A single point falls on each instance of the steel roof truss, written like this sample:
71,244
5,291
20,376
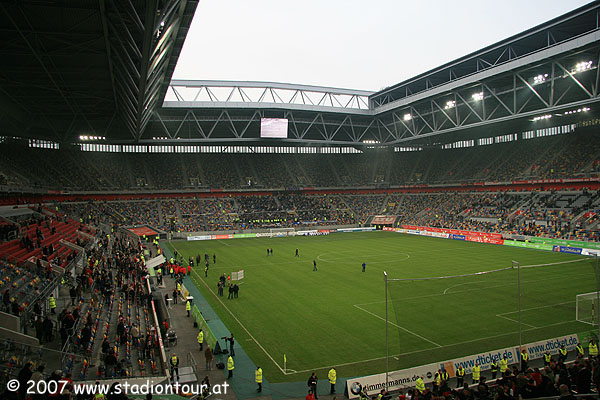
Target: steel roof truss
490,91
466,103
215,124
577,81
309,126
165,127
198,125
295,127
535,92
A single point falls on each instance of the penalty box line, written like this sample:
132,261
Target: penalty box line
237,320
399,327
504,315
434,348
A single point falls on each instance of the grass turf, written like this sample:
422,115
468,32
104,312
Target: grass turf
336,316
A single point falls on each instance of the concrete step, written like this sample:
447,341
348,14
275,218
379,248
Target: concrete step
187,375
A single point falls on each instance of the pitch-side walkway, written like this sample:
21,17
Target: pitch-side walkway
242,385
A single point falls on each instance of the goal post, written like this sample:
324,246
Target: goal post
276,232
587,308
237,275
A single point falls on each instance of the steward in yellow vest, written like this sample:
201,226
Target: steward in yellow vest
420,385
593,348
547,358
258,378
562,354
460,377
332,376
230,367
52,304
174,361
524,359
494,368
580,351
503,363
476,372
200,339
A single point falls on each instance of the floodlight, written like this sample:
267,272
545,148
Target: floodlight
541,117
477,96
450,104
584,109
541,78
582,66
407,117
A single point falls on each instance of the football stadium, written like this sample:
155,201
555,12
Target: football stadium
169,238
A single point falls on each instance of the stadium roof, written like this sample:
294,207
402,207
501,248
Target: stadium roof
72,68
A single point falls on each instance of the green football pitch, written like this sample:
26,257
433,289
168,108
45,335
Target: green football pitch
336,316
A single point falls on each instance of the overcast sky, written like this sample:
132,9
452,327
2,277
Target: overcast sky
368,44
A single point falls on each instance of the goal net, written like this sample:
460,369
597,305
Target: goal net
477,308
587,308
277,232
237,275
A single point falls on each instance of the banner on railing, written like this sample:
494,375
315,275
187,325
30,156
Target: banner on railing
406,378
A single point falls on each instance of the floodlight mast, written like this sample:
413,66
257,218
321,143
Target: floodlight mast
387,349
518,265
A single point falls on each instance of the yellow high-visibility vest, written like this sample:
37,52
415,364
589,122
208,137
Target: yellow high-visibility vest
258,375
200,337
420,385
476,371
332,376
230,366
593,349
563,351
503,365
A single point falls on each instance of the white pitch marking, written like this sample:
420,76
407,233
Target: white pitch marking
466,290
398,326
537,308
432,348
513,320
238,321
460,284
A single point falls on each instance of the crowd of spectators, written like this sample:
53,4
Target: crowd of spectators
556,215
207,214
219,171
560,156
362,206
271,171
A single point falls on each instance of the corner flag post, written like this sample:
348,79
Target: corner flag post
284,363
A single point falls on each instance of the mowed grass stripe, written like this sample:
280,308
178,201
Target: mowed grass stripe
311,316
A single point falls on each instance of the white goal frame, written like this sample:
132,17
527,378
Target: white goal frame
282,232
592,315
